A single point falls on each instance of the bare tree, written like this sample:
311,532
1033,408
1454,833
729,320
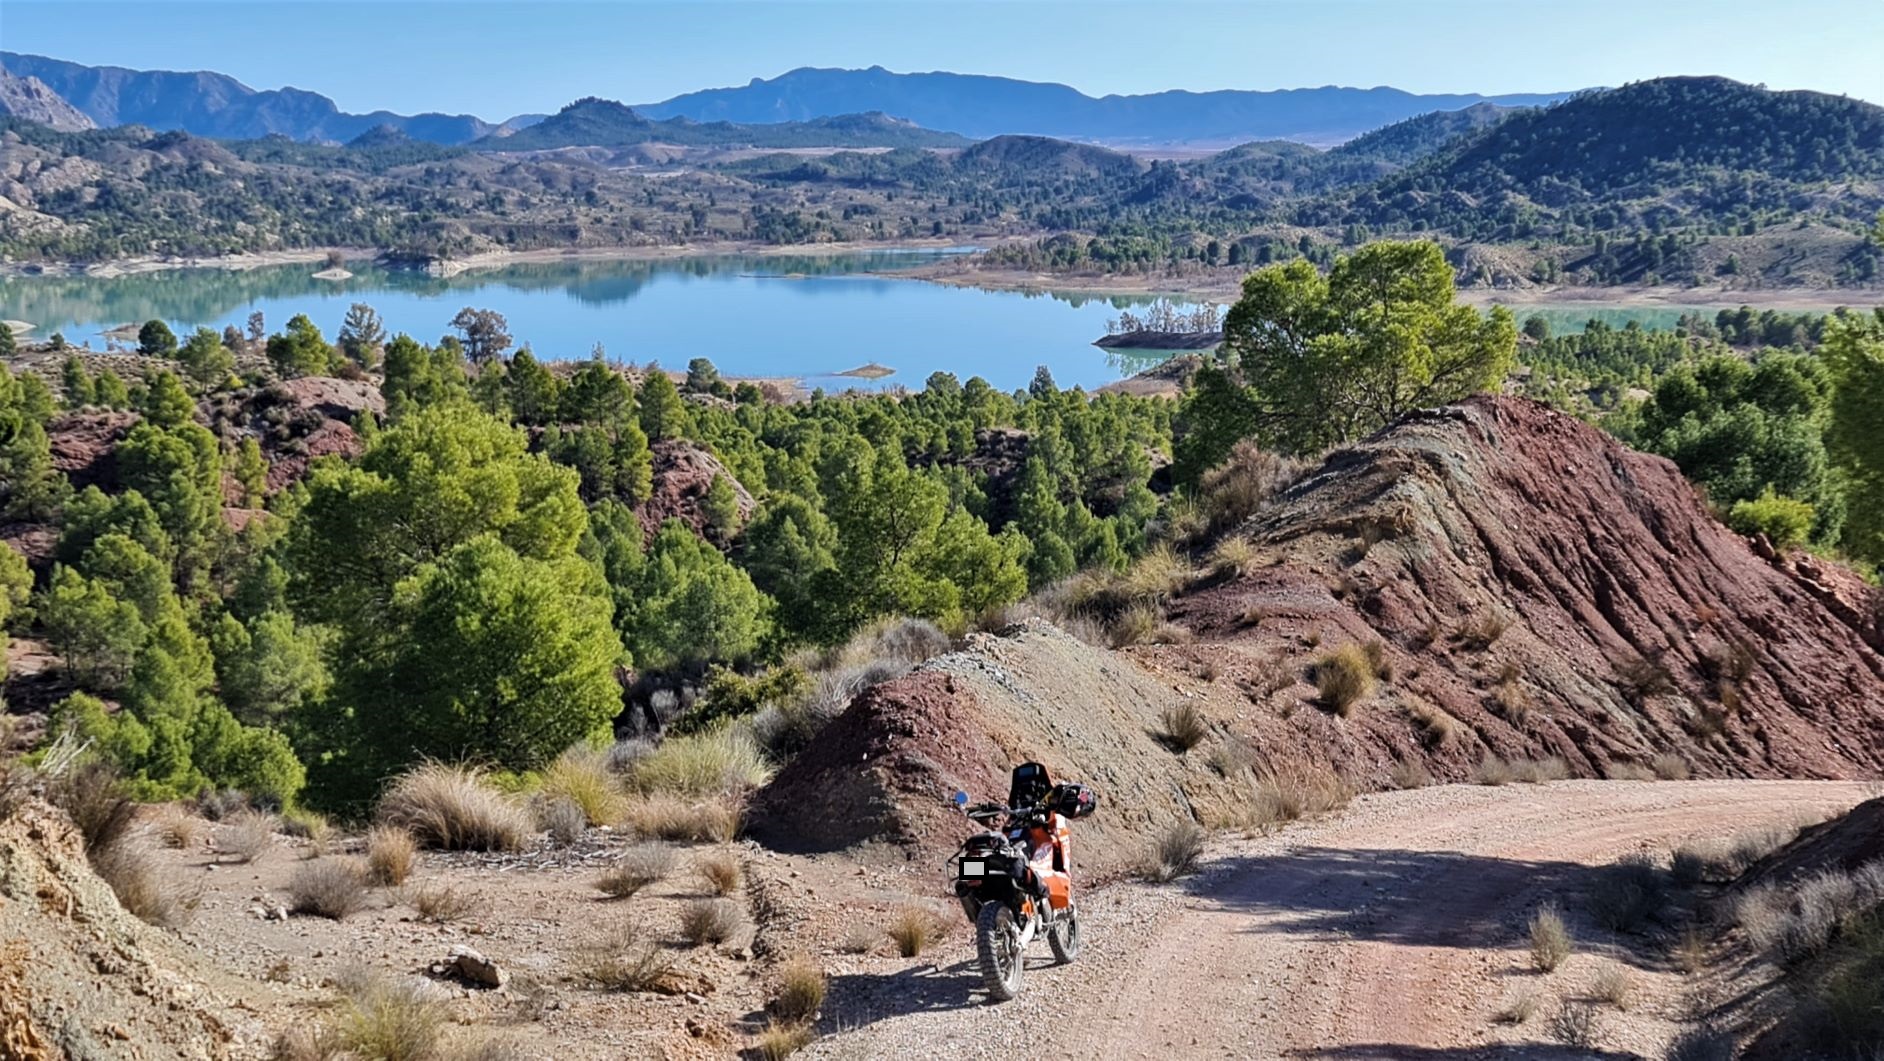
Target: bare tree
486,333
257,329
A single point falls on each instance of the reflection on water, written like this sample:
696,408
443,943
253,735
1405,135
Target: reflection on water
806,316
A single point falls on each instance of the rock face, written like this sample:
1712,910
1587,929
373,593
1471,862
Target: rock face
84,446
80,977
683,473
1533,588
31,99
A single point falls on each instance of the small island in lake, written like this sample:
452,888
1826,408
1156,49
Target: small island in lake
869,371
1153,340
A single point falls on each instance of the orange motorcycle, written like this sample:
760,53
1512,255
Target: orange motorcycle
1015,880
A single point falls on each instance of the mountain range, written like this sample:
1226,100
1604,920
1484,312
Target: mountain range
980,106
873,107
596,122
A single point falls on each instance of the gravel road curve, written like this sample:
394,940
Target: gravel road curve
1394,930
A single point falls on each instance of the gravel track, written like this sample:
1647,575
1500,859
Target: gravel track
1394,930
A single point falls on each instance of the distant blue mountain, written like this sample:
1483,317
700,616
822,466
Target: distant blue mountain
978,106
217,105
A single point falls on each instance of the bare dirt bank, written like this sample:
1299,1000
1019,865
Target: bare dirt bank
1395,930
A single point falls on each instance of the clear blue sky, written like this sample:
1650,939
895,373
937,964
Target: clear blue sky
494,58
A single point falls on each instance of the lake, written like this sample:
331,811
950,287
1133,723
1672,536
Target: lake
803,316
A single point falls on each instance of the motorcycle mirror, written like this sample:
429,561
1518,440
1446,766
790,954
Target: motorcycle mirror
960,798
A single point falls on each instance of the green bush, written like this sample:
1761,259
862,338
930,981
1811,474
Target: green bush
1785,521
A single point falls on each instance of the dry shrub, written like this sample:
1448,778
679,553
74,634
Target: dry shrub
1247,480
1793,925
1613,984
1670,767
1229,758
177,827
713,819
637,868
393,1019
1689,952
1410,773
1644,677
711,921
1182,726
801,989
912,929
1519,1009
245,836
1537,771
390,853
702,764
582,776
1494,770
333,888
720,872
454,808
1234,558
1437,727
1574,1024
305,824
1376,653
1156,576
1550,939
1175,851
139,882
1481,632
1344,678
1513,703
624,754
859,938
1628,894
93,796
626,960
1288,793
1628,771
783,1040
562,819
442,903
1706,1042
1136,625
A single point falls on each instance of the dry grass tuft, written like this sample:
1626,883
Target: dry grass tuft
333,888
1644,677
1344,678
801,989
177,827
139,882
912,930
1289,793
582,776
1481,632
637,868
1437,727
1410,773
1538,771
1519,1009
1629,893
442,903
395,1019
1247,480
1550,939
303,824
783,1040
1175,852
1690,949
1230,757
1625,771
561,818
711,819
245,836
706,921
93,795
1234,558
390,855
1494,770
454,808
699,765
720,872
626,960
1182,726
1613,984
1670,767
1376,653
1798,923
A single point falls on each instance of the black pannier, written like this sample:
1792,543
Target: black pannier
1070,799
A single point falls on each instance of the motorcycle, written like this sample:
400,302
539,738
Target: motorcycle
1014,879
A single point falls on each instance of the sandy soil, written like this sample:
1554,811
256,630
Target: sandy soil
1395,930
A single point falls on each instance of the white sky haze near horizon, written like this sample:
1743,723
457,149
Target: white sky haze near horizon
496,58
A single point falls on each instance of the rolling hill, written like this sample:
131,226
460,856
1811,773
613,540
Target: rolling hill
980,107
594,122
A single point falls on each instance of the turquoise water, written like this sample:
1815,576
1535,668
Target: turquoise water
808,317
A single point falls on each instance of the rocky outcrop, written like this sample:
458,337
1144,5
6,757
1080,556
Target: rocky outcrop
80,977
84,446
683,473
32,100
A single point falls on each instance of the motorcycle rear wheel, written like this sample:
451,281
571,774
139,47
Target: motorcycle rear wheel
997,945
1063,937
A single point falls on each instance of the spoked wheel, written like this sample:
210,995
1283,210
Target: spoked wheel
1063,937
997,945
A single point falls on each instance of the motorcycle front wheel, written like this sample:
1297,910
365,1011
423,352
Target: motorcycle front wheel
997,945
1063,937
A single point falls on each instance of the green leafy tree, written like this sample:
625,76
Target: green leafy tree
703,377
165,403
663,414
205,359
8,345
362,335
1331,359
789,546
250,471
96,634
80,390
155,339
301,350
721,506
30,486
92,514
179,471
597,394
692,605
417,377
16,588
1853,351
112,392
535,392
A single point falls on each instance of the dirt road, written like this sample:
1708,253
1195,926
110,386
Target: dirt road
1395,930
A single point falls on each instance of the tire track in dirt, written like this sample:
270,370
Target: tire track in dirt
1392,930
